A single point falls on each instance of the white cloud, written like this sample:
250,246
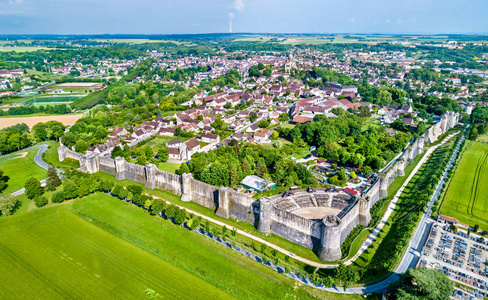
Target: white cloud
238,5
15,1
399,21
353,20
387,21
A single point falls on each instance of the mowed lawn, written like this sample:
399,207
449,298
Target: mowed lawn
467,196
102,248
19,167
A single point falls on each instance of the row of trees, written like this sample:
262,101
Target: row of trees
60,109
409,211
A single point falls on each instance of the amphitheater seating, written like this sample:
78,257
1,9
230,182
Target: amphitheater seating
322,199
303,201
286,204
340,201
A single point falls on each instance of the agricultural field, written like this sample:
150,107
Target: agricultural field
33,120
75,87
138,41
482,138
19,167
23,49
101,247
466,198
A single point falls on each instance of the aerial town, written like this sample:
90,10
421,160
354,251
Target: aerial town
244,165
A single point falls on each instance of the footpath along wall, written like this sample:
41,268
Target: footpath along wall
324,236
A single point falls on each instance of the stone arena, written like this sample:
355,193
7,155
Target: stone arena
318,219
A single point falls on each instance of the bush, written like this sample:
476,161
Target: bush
33,188
180,216
70,190
40,201
57,197
106,186
170,211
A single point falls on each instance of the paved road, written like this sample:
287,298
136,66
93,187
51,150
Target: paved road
419,237
38,159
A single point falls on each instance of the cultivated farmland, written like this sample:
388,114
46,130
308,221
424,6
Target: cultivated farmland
31,121
466,197
100,247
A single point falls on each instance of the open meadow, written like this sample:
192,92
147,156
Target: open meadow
31,121
100,247
466,197
19,167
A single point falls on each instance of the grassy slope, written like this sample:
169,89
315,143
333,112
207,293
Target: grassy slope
76,259
99,255
465,199
19,170
279,241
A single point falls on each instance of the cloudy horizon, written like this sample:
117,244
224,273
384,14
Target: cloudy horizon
242,16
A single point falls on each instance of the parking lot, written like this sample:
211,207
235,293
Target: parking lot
461,257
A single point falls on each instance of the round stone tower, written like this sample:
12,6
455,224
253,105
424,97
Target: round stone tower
330,249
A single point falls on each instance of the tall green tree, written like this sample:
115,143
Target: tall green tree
53,180
163,153
3,181
422,283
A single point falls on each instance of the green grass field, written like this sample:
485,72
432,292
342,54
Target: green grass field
19,169
100,247
51,100
466,198
169,167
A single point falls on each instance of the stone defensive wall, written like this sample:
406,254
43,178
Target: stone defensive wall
448,120
319,219
225,202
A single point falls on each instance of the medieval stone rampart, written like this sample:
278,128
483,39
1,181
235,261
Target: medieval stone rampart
324,236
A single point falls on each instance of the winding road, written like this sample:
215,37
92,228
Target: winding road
38,159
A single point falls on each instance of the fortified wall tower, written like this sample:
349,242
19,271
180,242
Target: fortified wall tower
317,219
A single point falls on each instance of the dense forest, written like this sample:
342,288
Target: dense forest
228,165
342,140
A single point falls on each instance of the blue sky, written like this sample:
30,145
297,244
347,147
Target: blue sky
260,16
